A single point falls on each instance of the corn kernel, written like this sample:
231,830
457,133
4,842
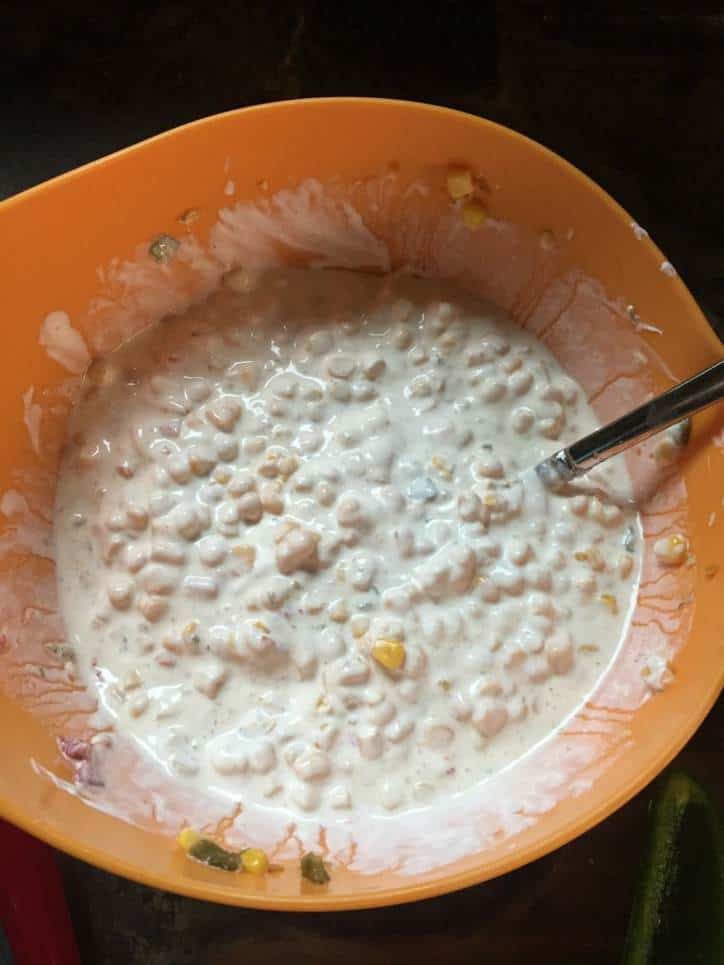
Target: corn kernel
322,705
245,552
359,625
190,635
448,341
255,861
666,452
238,280
459,183
442,467
592,557
338,611
595,509
672,550
188,838
288,465
390,654
609,600
624,566
474,214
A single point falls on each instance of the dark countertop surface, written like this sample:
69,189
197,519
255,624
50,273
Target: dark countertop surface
632,98
569,908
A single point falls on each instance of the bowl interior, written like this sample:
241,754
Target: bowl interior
555,250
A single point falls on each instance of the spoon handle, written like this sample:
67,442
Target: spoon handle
683,400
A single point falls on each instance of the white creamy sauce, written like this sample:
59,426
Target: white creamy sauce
63,343
308,472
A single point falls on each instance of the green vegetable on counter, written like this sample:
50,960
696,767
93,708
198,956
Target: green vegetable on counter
678,912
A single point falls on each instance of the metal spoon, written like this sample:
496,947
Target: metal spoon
696,393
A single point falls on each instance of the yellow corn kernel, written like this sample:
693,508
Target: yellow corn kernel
624,566
338,611
448,341
595,560
474,214
255,861
390,654
442,467
190,634
359,624
595,509
459,183
260,625
665,452
238,280
244,552
198,465
592,557
322,705
671,550
609,600
288,465
490,499
188,838
270,466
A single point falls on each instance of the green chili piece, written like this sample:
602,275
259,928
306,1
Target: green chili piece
214,855
313,869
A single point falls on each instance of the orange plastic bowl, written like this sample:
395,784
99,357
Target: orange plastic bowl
555,250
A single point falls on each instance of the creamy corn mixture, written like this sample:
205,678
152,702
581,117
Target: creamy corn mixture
296,561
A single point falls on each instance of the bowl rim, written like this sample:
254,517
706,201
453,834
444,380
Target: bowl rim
444,882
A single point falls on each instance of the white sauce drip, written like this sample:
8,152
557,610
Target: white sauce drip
32,414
